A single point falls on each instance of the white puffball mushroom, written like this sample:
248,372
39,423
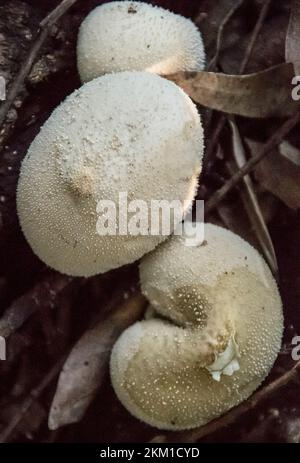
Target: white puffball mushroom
134,133
136,36
218,339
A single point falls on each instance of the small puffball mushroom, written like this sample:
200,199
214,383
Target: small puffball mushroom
135,36
134,133
218,339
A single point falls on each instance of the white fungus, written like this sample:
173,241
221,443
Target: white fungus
218,339
135,36
134,133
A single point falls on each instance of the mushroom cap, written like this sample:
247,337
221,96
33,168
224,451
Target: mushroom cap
219,337
136,36
129,132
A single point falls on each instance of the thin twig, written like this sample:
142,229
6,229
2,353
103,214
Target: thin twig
44,29
221,124
250,200
256,31
234,414
42,295
222,26
213,142
30,399
272,143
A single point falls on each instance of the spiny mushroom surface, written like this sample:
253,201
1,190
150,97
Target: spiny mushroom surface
135,36
133,133
217,337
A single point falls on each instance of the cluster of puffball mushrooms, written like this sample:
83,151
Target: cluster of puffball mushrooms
215,324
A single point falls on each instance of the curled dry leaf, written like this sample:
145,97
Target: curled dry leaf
278,175
251,203
263,94
85,367
292,48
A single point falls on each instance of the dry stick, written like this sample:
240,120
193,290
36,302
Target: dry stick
250,200
235,413
248,53
30,399
227,18
45,27
273,141
213,63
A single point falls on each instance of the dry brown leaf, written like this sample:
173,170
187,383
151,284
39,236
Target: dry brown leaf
263,94
83,371
251,203
292,49
279,176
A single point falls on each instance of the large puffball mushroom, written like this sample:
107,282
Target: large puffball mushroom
136,36
130,133
215,338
